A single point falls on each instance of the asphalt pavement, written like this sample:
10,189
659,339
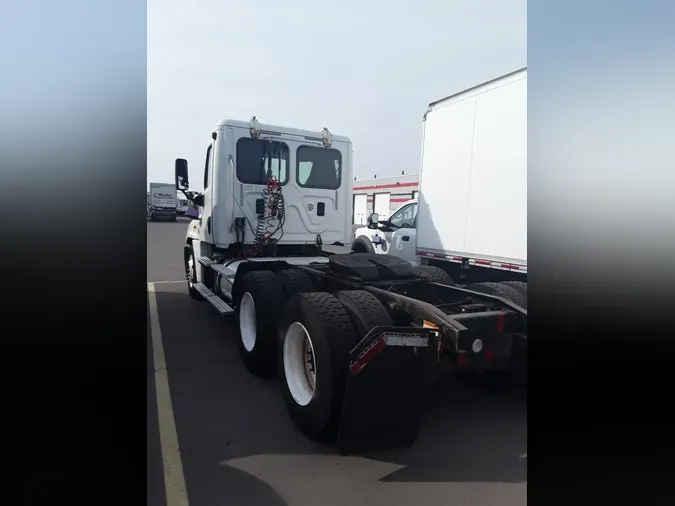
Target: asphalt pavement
219,436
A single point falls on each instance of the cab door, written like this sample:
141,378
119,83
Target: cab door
403,233
320,194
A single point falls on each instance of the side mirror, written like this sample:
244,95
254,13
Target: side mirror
373,220
182,174
198,200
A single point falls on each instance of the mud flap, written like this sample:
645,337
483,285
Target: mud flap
386,390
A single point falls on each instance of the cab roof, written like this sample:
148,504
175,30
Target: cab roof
313,134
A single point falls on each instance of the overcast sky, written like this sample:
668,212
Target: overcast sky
365,69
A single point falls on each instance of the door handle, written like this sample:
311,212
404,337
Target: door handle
405,238
208,224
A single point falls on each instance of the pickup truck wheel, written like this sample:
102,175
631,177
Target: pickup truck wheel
316,337
191,273
433,274
258,310
295,281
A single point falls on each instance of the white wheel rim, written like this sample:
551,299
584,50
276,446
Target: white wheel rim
247,325
299,363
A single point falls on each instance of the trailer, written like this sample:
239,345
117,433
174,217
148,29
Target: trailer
470,218
355,339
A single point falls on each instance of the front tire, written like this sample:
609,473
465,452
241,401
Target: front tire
316,337
191,273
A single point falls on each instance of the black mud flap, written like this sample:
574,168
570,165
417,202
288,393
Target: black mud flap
386,390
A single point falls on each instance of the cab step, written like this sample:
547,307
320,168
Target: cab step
206,261
224,270
219,304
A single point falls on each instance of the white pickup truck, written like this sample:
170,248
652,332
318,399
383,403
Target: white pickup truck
395,236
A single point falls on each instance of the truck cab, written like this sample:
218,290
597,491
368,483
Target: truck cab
393,236
302,176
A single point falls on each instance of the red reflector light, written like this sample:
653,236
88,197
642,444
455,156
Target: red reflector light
489,355
462,360
368,356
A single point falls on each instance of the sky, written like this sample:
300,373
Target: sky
364,69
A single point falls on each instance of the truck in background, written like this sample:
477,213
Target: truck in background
355,339
182,206
470,219
163,201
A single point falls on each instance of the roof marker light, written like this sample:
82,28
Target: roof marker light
327,138
254,127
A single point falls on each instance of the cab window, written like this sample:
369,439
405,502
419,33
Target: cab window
404,217
259,160
319,168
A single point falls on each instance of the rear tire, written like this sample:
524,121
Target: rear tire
515,295
364,310
258,309
295,281
517,285
433,274
322,321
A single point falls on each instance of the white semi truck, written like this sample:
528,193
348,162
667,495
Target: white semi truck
471,216
355,339
163,201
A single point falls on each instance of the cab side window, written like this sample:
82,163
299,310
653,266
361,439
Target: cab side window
404,217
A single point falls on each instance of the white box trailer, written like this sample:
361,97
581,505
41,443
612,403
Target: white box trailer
470,218
473,181
163,201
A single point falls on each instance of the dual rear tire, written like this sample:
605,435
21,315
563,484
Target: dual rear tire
304,337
